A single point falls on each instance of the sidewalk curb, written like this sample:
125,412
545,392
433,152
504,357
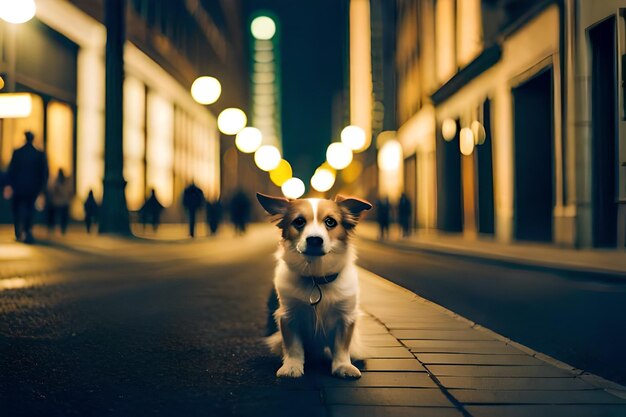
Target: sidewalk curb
603,274
597,381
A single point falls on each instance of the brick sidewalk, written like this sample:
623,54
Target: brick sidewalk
428,361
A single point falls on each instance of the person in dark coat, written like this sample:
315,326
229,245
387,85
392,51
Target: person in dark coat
404,214
91,210
193,198
383,216
151,211
27,176
240,211
213,215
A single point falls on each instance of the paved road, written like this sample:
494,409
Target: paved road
575,318
155,329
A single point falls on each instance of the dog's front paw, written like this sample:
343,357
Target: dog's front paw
346,370
291,370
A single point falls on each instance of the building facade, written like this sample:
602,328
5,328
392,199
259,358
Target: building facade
510,116
169,140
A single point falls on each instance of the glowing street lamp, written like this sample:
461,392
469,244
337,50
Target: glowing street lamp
354,137
293,188
338,155
206,90
323,180
267,157
248,139
263,28
17,11
448,129
231,121
281,173
390,156
466,141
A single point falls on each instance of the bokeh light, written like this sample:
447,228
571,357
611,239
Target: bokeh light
448,129
267,157
281,173
338,155
480,135
352,172
17,11
466,141
390,156
206,90
354,137
248,139
231,121
263,28
323,180
293,188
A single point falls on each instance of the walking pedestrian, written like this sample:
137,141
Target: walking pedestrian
27,177
404,214
240,211
151,211
383,214
213,215
59,198
91,210
193,198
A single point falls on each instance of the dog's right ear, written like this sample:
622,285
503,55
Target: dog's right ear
273,205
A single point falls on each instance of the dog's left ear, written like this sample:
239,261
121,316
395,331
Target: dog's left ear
353,206
273,205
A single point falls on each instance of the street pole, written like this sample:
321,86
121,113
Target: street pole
114,213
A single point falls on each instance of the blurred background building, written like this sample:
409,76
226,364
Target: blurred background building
169,139
511,118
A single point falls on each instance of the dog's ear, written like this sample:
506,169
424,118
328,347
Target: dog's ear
352,207
273,205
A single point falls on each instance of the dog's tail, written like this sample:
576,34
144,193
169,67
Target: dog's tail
275,343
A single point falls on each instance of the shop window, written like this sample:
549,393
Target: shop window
60,139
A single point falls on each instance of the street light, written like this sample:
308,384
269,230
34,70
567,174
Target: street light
390,156
281,173
293,188
466,141
448,129
248,139
354,137
206,90
323,180
17,11
231,121
338,155
263,28
267,157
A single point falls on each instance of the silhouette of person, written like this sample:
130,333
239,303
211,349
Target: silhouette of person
240,211
213,215
193,198
91,210
383,214
59,197
151,211
404,214
27,176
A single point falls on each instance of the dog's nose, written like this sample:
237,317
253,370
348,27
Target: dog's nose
314,241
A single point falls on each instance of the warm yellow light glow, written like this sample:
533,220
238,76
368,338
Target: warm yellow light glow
267,157
448,129
231,121
352,172
338,155
293,188
264,56
361,94
281,173
1,82
263,28
354,137
480,135
20,11
466,141
385,136
390,156
248,139
15,105
323,179
206,90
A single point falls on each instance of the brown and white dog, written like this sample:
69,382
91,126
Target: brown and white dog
316,281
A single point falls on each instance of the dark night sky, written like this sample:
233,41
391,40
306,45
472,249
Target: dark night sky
313,45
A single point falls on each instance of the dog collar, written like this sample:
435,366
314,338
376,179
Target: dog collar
316,292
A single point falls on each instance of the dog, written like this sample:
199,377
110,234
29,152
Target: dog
316,281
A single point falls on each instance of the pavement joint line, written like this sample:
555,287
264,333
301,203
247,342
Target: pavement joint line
608,386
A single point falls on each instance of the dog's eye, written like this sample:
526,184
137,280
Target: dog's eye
330,222
299,223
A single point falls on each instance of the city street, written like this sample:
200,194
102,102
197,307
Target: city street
93,325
